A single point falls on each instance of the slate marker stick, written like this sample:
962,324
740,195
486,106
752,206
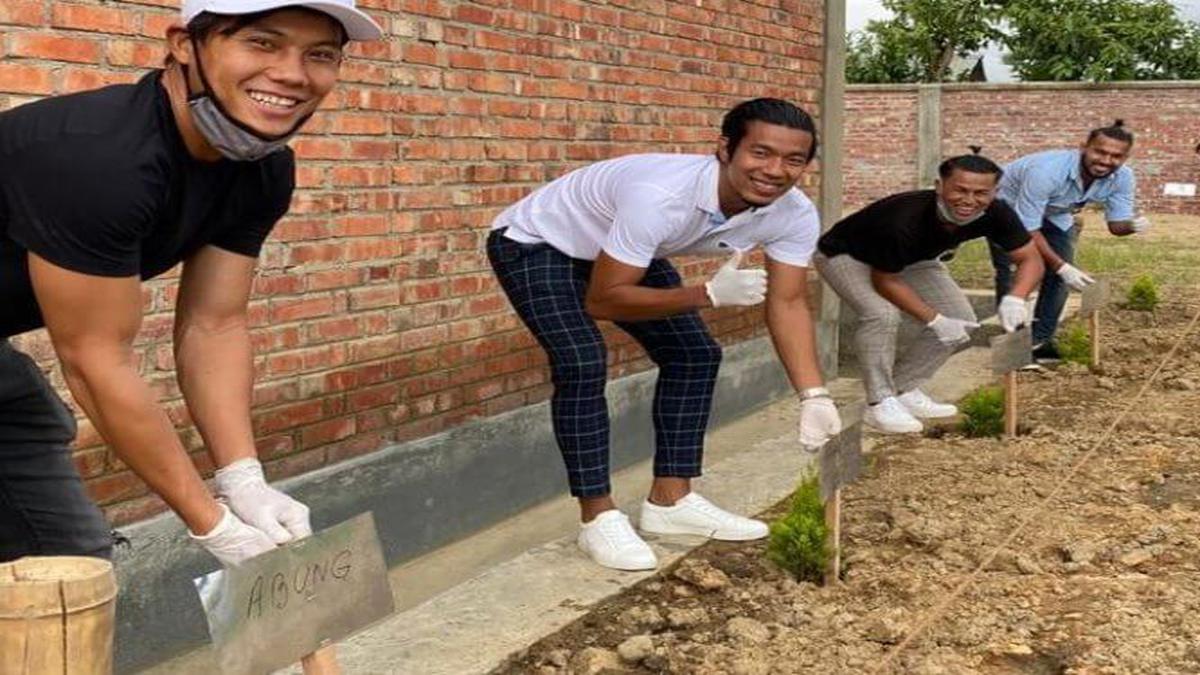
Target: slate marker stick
1010,353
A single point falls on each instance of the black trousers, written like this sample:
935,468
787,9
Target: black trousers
44,508
547,288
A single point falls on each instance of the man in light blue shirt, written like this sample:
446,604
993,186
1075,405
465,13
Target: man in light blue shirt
1046,189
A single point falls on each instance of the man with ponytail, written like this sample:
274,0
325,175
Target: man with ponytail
1046,189
884,261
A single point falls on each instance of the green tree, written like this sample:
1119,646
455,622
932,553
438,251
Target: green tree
1089,40
920,41
1100,40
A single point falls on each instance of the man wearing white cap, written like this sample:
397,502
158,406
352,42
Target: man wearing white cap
101,189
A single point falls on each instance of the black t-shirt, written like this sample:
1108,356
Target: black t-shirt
902,229
101,183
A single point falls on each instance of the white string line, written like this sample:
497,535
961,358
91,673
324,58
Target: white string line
940,609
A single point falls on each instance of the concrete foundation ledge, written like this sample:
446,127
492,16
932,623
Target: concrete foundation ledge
424,494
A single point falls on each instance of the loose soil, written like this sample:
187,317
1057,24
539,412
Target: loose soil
1105,579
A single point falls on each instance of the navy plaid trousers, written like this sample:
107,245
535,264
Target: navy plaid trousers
547,289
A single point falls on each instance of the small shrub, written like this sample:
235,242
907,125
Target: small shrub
1143,294
798,541
983,412
1075,344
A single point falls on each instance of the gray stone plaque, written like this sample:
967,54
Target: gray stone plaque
270,611
1094,298
1012,351
841,458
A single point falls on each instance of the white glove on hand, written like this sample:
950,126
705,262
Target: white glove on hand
233,542
731,286
1139,224
819,422
952,331
243,487
1074,277
1012,313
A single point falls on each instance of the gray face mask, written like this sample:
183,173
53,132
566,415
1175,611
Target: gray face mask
947,214
231,138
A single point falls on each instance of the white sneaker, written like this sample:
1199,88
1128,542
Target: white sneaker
610,541
696,515
890,416
923,407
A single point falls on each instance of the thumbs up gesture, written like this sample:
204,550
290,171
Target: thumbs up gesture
731,286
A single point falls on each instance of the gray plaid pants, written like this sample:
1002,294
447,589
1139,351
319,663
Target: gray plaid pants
882,325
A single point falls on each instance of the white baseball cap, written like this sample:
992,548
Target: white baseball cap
358,25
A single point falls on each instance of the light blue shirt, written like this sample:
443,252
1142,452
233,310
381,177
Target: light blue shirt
1048,185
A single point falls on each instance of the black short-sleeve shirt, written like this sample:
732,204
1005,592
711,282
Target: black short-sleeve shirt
101,183
902,229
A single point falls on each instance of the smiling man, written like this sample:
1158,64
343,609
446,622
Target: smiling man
102,189
1046,189
593,245
884,262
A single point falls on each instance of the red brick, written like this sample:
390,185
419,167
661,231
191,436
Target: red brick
359,124
22,79
155,25
370,297
289,416
93,18
327,432
335,278
139,53
373,397
55,47
22,12
335,328
295,464
292,309
78,79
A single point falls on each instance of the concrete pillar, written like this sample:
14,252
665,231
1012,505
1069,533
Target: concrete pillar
833,90
929,133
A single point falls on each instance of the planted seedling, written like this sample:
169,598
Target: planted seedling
983,412
799,541
1143,294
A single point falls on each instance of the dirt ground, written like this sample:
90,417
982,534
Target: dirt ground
1104,578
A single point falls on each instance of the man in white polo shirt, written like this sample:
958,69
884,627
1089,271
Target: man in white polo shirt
593,245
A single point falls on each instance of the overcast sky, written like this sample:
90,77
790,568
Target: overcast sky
859,12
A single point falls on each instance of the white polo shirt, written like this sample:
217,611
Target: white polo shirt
641,207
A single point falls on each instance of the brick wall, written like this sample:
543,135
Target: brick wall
1013,120
879,144
376,317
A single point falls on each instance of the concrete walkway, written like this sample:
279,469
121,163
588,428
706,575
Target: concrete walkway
464,608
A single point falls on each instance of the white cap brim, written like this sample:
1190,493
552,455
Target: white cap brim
357,24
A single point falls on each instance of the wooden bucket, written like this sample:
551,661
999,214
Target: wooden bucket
56,616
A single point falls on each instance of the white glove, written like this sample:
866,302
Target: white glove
819,422
1012,313
731,286
243,487
1139,224
952,331
233,542
1075,277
